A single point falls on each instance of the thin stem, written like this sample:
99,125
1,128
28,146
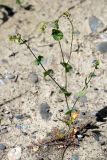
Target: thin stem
61,51
84,88
42,65
71,38
66,98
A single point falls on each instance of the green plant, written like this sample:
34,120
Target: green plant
71,114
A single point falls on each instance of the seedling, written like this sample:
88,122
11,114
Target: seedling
68,137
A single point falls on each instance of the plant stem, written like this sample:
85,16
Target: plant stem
84,88
71,38
61,51
42,65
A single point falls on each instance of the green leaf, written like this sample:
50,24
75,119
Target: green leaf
69,112
96,64
67,94
86,83
19,2
67,14
67,66
16,38
48,72
43,26
92,74
57,34
38,61
56,25
81,93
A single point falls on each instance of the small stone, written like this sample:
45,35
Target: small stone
45,111
2,147
75,157
9,76
1,82
14,153
79,136
20,116
95,23
102,47
33,77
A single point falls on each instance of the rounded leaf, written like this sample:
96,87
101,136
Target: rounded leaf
57,34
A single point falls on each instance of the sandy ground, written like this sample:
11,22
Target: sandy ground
25,97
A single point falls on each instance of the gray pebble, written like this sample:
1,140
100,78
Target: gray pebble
75,157
9,76
2,147
102,47
45,111
33,77
20,116
95,23
1,82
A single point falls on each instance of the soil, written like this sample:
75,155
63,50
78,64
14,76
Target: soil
23,90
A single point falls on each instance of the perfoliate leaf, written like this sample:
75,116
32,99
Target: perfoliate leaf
48,72
38,61
67,66
57,34
69,112
96,64
81,94
67,94
92,74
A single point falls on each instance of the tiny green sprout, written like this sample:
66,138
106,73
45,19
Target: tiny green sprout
81,93
67,66
55,24
66,93
96,64
67,14
92,74
57,34
48,72
16,38
43,26
19,2
39,59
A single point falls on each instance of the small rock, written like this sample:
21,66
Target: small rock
95,23
1,82
33,77
20,116
79,136
75,157
9,76
45,111
102,47
2,147
3,130
15,153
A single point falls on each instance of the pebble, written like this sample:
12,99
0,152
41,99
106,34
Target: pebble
75,157
79,136
14,153
33,77
102,47
1,82
20,116
2,147
95,23
9,76
45,111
